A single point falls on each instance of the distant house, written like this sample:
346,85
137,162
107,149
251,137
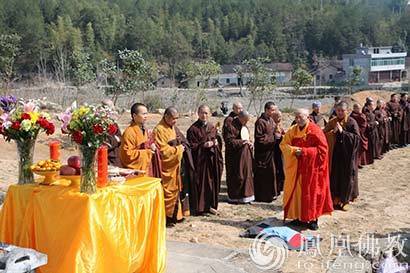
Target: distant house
328,72
229,77
164,82
406,73
378,64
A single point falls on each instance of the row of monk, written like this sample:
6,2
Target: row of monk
315,163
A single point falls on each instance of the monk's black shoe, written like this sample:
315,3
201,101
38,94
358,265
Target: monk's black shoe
313,225
296,222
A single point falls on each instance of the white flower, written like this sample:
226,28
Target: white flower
26,125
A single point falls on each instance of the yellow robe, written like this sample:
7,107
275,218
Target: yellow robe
290,165
132,154
170,168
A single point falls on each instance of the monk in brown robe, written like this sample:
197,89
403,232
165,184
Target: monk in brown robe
239,167
266,188
372,133
343,137
316,116
279,132
236,109
113,141
332,113
405,123
383,127
361,120
134,151
208,163
395,113
171,156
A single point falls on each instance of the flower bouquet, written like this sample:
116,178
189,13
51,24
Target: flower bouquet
22,122
89,127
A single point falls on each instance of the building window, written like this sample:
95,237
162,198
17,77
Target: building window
376,51
228,81
330,77
317,77
351,62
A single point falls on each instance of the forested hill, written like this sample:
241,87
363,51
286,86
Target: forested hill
173,31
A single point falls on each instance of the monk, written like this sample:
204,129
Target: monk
361,120
332,113
171,155
266,188
113,141
306,190
316,116
383,128
395,113
343,138
405,123
372,133
236,109
134,151
239,170
279,132
208,163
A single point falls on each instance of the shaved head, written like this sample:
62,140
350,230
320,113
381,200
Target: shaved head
203,113
301,117
244,117
171,116
237,107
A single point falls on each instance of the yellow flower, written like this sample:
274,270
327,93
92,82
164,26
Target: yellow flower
34,117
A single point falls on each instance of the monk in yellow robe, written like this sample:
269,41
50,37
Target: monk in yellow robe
135,151
171,152
306,190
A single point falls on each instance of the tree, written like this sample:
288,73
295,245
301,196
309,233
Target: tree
132,74
202,73
82,68
9,48
261,82
238,69
301,78
354,78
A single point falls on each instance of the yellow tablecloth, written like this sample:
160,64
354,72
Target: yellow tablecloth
119,229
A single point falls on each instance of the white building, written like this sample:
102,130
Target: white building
378,64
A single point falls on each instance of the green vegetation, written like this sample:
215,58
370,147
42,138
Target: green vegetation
69,38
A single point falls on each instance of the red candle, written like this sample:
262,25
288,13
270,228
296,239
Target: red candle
54,150
102,161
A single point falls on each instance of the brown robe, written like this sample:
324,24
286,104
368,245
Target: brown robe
114,143
372,135
266,188
383,130
344,169
278,157
318,119
395,113
208,164
405,124
239,173
228,156
361,120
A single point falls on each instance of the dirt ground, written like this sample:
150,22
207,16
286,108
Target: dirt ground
382,207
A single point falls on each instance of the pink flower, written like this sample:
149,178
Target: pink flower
29,107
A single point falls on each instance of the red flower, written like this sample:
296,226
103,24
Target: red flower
112,129
15,125
43,123
25,116
78,137
50,129
98,129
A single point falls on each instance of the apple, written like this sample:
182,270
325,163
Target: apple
74,162
67,170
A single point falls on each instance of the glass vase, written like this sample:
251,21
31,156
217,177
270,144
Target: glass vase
88,177
25,150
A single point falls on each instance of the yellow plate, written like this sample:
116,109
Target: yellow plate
75,179
49,176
